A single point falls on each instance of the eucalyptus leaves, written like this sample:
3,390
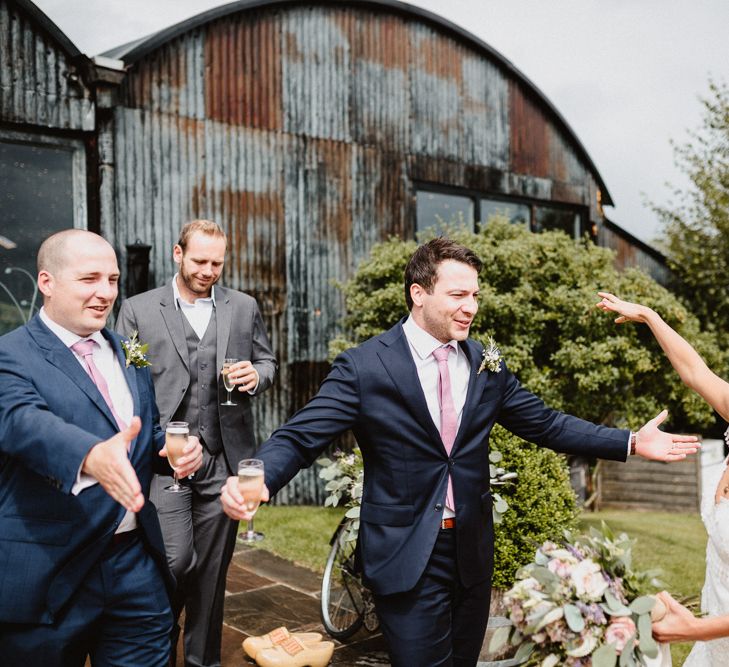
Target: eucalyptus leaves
579,603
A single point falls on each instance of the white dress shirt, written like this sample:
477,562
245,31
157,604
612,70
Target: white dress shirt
109,366
422,345
199,312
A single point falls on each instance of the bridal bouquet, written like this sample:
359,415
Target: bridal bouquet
580,604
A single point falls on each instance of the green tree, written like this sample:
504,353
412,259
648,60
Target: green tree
537,301
697,225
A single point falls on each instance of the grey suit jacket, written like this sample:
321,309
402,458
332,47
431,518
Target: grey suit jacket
241,335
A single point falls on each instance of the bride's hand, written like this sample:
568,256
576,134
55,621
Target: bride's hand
627,311
677,624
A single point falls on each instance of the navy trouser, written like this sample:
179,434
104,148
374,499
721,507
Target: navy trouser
439,622
120,617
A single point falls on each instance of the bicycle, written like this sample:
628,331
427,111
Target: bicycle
346,603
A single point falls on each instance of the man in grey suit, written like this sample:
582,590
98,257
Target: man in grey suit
191,326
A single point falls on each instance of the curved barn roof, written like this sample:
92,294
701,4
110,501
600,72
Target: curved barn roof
138,49
48,26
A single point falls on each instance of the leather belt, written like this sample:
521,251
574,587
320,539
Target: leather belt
123,538
448,524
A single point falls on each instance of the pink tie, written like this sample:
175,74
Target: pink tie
85,349
448,416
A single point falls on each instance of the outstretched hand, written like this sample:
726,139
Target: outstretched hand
626,310
108,463
656,445
234,505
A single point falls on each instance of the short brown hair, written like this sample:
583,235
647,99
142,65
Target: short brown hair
204,226
422,268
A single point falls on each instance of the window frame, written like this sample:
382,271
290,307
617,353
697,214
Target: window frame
476,196
78,165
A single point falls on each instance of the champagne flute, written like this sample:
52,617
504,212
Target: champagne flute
229,386
175,440
250,484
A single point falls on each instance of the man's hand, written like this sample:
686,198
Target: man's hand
233,503
191,459
108,463
677,624
656,445
244,375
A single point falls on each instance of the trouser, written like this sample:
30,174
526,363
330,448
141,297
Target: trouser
438,622
120,617
199,540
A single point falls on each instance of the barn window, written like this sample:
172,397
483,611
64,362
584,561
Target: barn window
451,205
42,191
435,209
566,219
516,212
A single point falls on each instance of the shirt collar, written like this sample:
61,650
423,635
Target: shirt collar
67,337
178,299
421,341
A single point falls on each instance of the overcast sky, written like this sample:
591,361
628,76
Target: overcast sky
625,74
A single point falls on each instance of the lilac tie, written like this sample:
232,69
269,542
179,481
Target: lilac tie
448,416
85,349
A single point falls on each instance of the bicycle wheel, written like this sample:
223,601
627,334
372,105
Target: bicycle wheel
342,592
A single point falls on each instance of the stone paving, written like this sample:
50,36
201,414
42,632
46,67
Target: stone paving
264,592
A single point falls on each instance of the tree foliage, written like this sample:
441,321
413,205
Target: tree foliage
537,300
697,225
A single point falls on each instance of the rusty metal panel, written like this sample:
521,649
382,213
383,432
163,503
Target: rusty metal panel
436,80
485,113
529,134
318,242
316,71
380,200
39,85
380,96
628,254
243,64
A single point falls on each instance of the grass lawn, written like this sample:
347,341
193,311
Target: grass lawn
675,543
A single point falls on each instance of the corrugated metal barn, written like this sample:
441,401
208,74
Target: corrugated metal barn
308,130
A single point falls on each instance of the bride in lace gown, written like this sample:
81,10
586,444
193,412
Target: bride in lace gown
714,628
715,594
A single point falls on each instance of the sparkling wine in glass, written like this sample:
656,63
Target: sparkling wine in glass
250,484
229,386
175,440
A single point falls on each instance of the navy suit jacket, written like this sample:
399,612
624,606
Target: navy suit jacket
374,390
51,414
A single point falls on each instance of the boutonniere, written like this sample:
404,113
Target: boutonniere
491,358
135,351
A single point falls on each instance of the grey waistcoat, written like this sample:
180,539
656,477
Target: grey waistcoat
199,406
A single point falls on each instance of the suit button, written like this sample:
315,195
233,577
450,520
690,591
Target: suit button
439,508
451,462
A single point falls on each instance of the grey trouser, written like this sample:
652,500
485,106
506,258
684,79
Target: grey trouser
199,539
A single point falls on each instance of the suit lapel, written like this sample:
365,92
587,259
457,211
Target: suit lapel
171,316
62,358
130,374
472,351
398,362
223,317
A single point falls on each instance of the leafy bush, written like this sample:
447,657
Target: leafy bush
537,301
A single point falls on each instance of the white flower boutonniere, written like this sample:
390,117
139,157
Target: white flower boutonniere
491,358
135,351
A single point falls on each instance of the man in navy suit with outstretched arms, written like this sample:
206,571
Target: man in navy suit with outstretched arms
421,405
82,564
